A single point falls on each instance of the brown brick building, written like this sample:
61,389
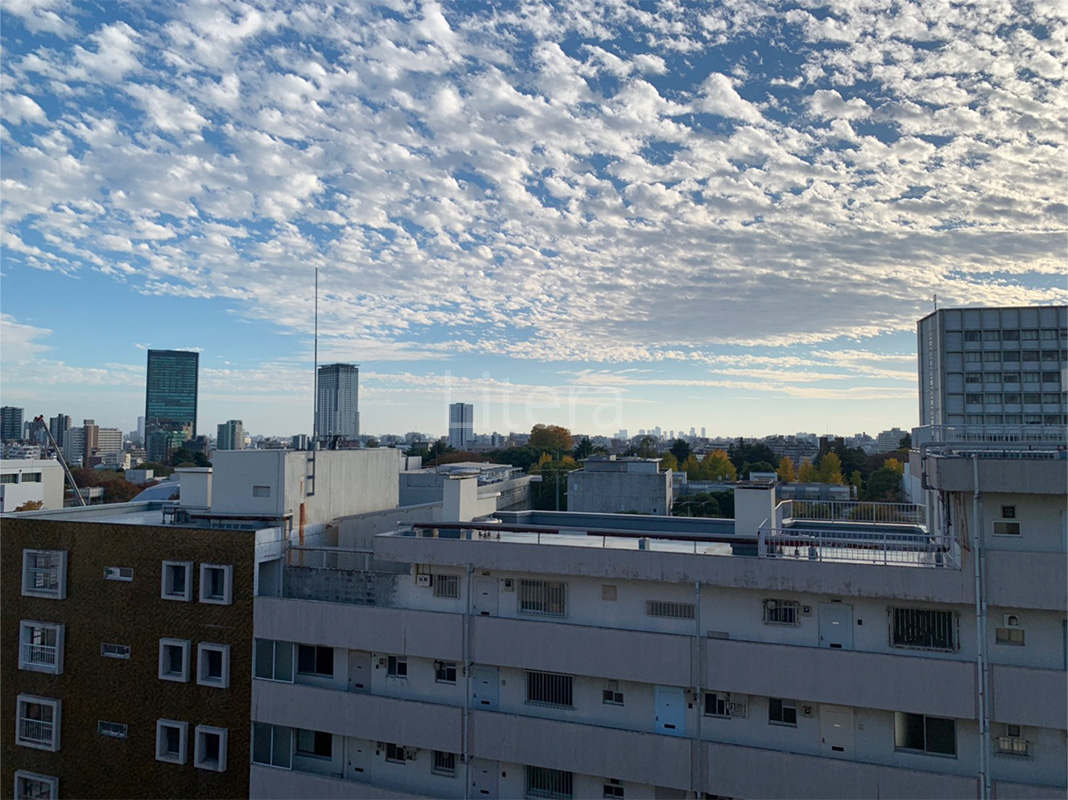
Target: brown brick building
132,671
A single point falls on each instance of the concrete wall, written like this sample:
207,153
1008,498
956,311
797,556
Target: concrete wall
270,783
50,485
619,492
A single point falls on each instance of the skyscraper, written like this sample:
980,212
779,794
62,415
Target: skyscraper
231,435
337,407
11,423
170,400
461,424
59,425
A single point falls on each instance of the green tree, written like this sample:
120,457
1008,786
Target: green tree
647,448
884,485
680,448
440,448
807,473
691,467
905,443
551,492
743,452
717,466
667,461
584,449
786,470
857,480
701,504
756,466
830,469
522,457
550,437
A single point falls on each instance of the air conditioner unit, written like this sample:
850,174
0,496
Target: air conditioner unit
424,580
409,753
1012,620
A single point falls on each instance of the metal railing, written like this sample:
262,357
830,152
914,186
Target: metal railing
317,557
41,655
859,511
907,548
1014,434
32,730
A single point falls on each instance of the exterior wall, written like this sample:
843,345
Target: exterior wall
93,688
619,491
51,484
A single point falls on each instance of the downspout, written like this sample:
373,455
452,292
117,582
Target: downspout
697,770
983,669
466,749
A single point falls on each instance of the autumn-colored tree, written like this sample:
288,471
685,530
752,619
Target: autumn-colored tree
668,461
692,467
31,505
717,466
551,437
857,480
786,470
552,491
830,470
895,465
807,473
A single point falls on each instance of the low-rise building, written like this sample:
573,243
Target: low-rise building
28,480
510,485
608,484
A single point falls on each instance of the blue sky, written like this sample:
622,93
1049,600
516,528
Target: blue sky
597,214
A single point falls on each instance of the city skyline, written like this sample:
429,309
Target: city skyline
720,217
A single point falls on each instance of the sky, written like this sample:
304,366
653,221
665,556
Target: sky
604,215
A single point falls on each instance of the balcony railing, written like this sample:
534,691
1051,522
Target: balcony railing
40,655
32,730
857,511
914,548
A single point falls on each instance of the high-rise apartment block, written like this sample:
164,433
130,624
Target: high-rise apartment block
994,366
231,435
461,424
337,407
11,423
170,400
58,426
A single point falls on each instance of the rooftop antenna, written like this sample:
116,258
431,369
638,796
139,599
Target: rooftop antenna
934,299
315,377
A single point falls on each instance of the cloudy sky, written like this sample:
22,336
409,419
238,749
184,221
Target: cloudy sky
599,214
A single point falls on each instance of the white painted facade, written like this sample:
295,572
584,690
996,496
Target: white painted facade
26,480
611,485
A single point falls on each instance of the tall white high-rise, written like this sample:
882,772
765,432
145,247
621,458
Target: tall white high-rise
461,424
337,410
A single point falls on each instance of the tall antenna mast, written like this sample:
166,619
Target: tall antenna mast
315,378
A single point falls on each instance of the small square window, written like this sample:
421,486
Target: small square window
171,741
41,647
1013,636
611,695
317,744
261,491
315,660
44,573
216,584
38,722
213,665
444,764
782,712
177,582
397,667
1008,512
445,671
210,752
613,789
32,786
174,660
447,586
395,753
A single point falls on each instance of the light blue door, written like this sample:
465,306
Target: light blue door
671,710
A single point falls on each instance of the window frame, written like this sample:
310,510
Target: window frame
25,775
446,581
203,648
441,672
28,590
166,592
565,779
954,629
395,753
275,660
670,609
534,597
52,745
273,729
119,731
124,574
541,685
199,761
901,717
772,612
316,741
227,597
120,656
786,709
185,646
28,664
611,695
183,741
316,673
440,769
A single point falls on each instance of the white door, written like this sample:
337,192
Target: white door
483,778
485,687
671,710
836,626
359,671
357,759
836,731
486,597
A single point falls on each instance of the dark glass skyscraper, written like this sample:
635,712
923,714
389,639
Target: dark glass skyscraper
170,399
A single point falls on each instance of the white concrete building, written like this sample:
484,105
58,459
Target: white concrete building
337,407
607,484
509,486
889,440
461,424
30,480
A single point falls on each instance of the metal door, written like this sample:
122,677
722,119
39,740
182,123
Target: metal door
486,597
485,687
483,778
671,710
357,759
836,626
359,671
836,731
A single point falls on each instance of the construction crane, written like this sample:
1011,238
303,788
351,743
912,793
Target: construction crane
40,422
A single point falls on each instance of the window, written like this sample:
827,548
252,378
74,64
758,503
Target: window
41,647
445,671
116,730
1010,336
973,399
1011,377
210,750
611,695
1051,355
971,336
315,660
31,786
319,744
213,665
552,783
174,660
1008,525
444,764
1029,355
395,753
216,584
38,722
1051,377
171,741
397,667
44,573
973,357
1010,356
782,612
1013,636
664,608
446,586
991,336
1012,398
261,491
1032,377
782,712
1008,512
272,745
924,629
973,377
118,573
1032,398
274,660
548,598
613,788
177,580
549,688
723,705
108,650
1029,336
1013,744
934,735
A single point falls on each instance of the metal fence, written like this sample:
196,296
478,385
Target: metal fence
858,511
39,654
914,549
345,558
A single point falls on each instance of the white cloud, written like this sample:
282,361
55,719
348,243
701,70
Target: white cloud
718,96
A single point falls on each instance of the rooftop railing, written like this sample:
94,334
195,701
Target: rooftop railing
906,548
859,511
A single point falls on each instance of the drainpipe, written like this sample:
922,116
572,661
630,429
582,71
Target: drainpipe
697,775
983,668
466,750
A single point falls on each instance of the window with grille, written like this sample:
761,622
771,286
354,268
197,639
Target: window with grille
550,689
31,786
924,629
445,671
444,764
551,783
114,729
547,598
272,745
666,608
274,660
38,722
1013,743
315,743
924,734
447,586
782,612
315,660
44,573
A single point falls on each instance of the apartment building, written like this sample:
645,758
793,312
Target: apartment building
579,655
610,484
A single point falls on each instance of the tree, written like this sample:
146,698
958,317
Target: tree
701,504
895,465
786,470
807,473
522,457
830,469
584,449
667,461
742,452
550,437
158,470
680,448
691,467
549,494
440,447
647,448
905,443
717,466
31,505
884,485
857,480
757,466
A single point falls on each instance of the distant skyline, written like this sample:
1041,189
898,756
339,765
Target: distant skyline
599,216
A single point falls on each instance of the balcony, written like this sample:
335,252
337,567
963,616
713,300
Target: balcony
39,657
